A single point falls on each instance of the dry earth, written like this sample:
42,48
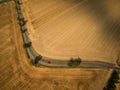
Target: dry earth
17,74
61,29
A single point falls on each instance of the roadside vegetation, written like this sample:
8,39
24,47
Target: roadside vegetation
74,62
114,79
27,45
32,62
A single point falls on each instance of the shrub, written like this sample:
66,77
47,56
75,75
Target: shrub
74,63
112,80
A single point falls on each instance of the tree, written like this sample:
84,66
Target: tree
26,45
78,60
17,1
74,63
24,30
114,78
37,59
20,17
32,62
22,22
111,86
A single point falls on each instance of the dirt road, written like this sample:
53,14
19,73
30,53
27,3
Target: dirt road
17,73
64,29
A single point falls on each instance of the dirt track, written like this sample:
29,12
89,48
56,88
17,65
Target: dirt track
64,29
17,73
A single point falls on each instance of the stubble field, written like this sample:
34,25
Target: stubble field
61,29
17,74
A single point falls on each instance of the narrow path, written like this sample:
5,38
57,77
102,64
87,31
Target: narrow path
55,63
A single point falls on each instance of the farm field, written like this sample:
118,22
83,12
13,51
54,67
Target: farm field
16,73
61,29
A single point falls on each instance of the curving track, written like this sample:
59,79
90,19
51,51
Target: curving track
17,73
61,29
43,60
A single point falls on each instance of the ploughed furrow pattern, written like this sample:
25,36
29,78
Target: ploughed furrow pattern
5,52
16,73
76,28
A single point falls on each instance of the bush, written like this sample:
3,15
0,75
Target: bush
26,45
74,63
32,62
112,80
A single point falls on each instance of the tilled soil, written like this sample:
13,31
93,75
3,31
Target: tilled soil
61,29
16,73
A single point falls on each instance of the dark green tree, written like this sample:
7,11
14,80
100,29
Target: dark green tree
37,59
74,62
114,78
26,45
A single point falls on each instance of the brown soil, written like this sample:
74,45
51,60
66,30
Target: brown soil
61,29
17,74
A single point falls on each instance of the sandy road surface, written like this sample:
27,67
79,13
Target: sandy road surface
17,74
72,28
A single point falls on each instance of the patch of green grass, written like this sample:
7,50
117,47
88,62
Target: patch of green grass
32,62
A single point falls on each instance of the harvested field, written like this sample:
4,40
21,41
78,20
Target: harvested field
17,74
61,29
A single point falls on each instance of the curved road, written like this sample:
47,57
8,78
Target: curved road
55,63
